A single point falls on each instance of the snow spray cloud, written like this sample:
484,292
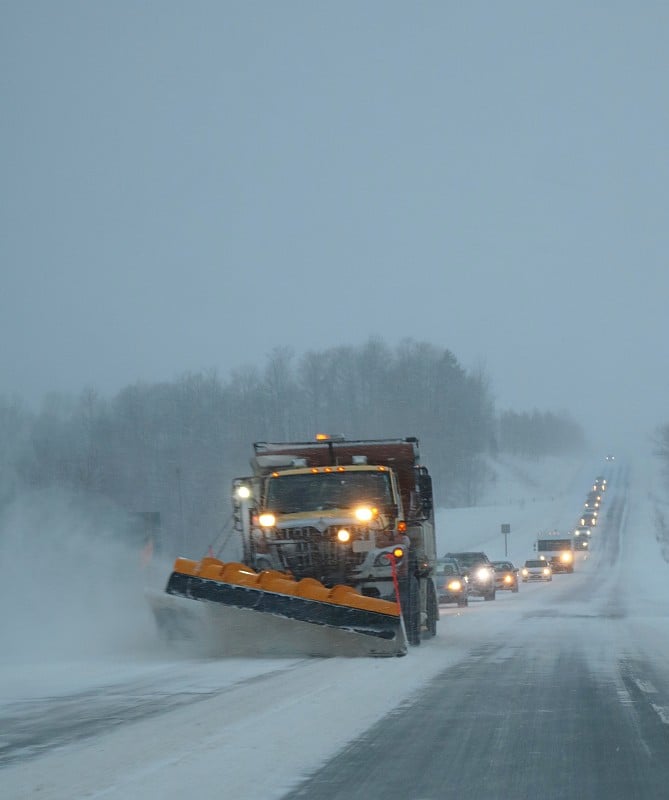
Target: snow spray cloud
71,587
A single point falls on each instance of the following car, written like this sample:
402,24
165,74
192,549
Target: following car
479,571
536,569
452,584
506,576
588,519
581,538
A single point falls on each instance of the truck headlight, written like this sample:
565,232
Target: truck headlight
364,513
243,492
546,571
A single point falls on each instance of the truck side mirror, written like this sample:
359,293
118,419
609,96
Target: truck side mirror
425,489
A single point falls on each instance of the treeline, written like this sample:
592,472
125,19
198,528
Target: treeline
174,447
537,434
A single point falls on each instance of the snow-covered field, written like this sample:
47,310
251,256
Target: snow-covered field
250,728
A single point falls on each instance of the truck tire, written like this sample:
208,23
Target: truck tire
411,609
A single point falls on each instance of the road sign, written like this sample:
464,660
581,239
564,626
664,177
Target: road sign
506,530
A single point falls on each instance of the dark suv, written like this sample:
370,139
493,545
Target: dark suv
480,573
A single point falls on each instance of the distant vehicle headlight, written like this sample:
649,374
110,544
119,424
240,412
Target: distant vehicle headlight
508,579
454,586
546,571
525,571
565,557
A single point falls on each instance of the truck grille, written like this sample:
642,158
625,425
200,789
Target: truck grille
307,552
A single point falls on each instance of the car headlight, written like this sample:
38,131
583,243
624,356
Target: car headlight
483,574
525,572
508,579
546,571
454,586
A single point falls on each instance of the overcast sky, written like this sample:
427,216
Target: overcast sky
187,185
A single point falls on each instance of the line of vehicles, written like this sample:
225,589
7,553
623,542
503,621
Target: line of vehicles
465,574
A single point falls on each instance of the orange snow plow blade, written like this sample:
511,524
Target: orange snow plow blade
245,613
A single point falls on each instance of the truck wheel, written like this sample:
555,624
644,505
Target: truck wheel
411,610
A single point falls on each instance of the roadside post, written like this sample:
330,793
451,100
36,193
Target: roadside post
506,530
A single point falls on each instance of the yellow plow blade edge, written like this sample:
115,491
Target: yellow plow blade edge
239,612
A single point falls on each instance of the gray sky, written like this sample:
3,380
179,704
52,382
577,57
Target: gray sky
187,185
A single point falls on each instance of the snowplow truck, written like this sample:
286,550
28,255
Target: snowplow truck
338,555
352,513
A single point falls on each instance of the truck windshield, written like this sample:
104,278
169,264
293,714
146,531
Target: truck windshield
288,494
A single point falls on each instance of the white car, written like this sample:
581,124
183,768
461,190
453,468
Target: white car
536,570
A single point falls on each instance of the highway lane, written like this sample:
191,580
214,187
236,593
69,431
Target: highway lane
30,728
565,704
